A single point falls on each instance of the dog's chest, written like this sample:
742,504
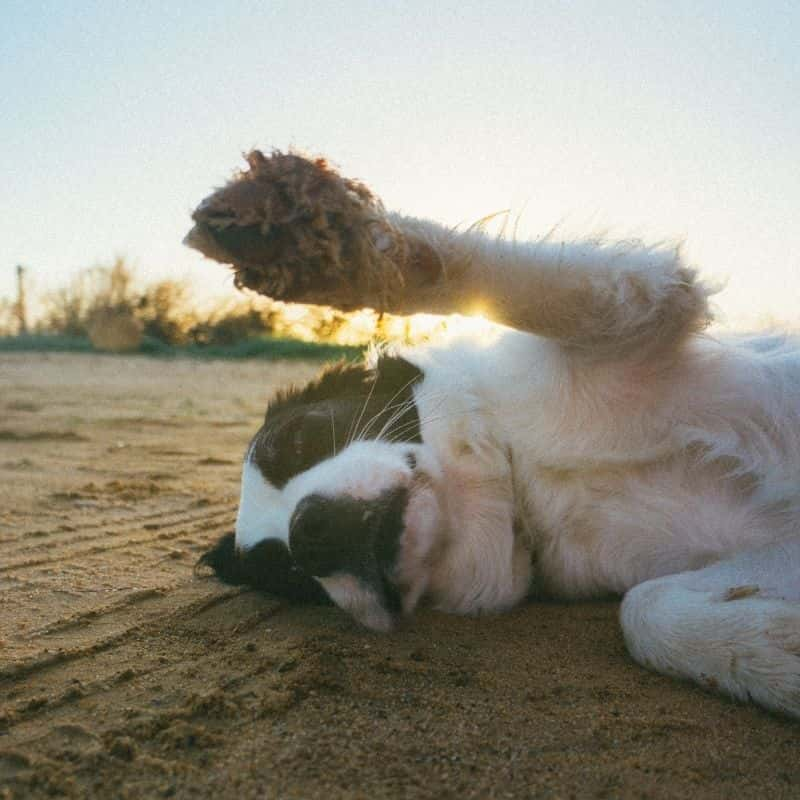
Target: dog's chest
609,471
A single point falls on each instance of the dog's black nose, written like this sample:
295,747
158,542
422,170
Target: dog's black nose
330,534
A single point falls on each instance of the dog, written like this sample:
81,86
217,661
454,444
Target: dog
601,442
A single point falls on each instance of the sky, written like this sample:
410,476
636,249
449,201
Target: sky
663,120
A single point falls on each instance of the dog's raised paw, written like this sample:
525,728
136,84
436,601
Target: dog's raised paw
294,229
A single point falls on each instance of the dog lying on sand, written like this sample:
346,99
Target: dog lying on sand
600,444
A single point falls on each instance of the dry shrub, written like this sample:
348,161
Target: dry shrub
229,324
166,312
115,331
105,304
70,310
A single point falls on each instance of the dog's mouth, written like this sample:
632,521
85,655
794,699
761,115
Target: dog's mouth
267,566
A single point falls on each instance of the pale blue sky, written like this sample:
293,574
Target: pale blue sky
663,119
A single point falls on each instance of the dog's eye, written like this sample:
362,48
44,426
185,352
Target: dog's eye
294,445
298,440
307,440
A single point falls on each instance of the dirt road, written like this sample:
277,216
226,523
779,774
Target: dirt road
122,674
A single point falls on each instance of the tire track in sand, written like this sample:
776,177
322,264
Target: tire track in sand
66,528
150,533
92,623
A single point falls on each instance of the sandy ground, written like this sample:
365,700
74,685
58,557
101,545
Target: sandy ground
122,674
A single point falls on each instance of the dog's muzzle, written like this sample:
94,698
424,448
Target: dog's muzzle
348,535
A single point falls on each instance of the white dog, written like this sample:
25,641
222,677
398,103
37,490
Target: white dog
605,445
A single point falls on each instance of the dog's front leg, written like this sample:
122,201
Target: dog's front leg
733,627
594,297
295,230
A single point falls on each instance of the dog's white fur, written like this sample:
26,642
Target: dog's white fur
606,445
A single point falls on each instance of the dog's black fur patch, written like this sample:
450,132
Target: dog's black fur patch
267,566
304,426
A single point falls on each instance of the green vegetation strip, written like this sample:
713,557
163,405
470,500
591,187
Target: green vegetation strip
264,347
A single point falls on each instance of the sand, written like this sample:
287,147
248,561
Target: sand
125,675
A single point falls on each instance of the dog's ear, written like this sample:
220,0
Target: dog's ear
394,383
394,374
267,566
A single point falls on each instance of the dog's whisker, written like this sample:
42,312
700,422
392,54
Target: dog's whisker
399,432
386,407
413,402
362,433
357,422
401,410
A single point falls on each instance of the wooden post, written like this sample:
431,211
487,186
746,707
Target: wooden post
22,309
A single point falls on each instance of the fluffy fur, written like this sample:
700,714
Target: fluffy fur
605,446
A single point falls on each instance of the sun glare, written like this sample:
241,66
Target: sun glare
473,325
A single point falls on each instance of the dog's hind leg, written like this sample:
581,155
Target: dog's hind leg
733,627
